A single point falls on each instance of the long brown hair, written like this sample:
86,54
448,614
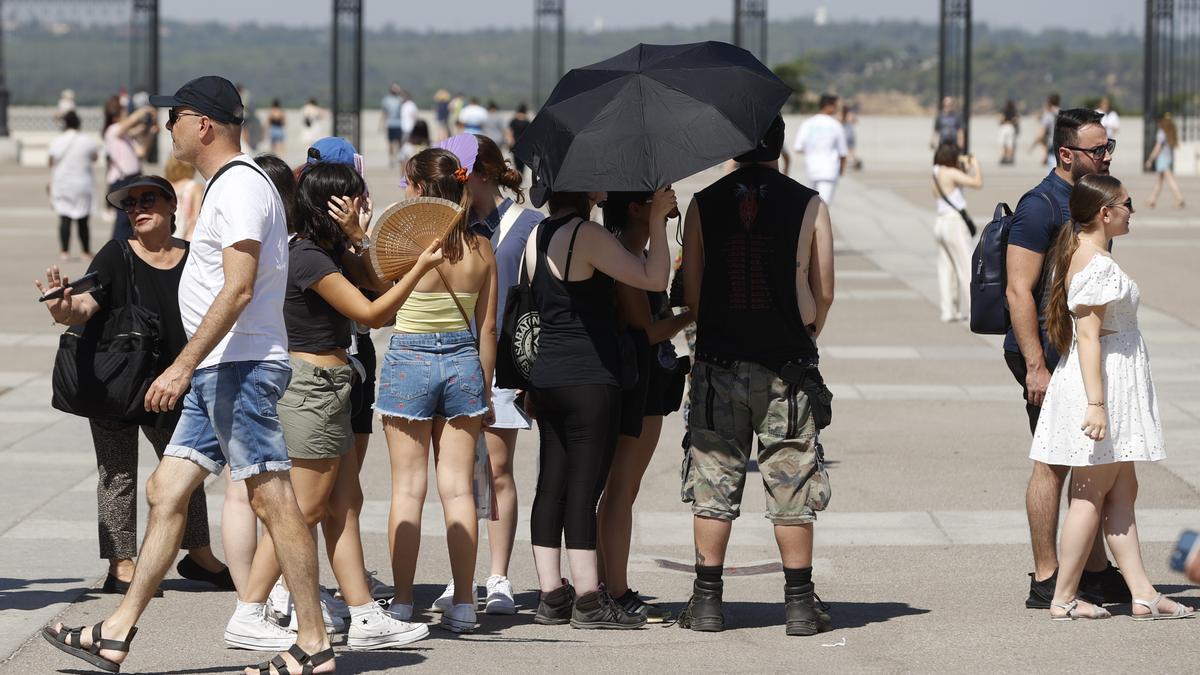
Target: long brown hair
1090,194
1167,124
437,172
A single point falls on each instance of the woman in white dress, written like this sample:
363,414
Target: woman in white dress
72,184
1100,414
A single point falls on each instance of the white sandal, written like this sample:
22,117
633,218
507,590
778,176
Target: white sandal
1181,611
1072,609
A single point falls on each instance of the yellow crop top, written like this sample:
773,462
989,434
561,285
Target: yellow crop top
434,313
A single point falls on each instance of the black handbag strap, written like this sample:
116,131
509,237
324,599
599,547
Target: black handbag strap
132,295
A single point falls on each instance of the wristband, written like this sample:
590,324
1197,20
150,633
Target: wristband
1098,405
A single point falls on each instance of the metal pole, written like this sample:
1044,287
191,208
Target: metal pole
358,75
966,110
765,53
562,40
942,52
3,82
334,72
737,22
537,56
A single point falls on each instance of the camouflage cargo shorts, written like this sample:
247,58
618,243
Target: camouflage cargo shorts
729,407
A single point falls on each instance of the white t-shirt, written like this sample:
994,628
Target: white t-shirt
242,205
408,116
72,183
473,117
823,141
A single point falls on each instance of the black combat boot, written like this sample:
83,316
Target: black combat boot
703,611
805,614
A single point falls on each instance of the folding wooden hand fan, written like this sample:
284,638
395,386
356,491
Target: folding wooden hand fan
406,229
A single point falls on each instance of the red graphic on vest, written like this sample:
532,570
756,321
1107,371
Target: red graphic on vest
748,203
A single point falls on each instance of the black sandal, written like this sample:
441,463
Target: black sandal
307,661
69,640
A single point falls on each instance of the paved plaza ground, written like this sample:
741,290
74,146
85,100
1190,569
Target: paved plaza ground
922,554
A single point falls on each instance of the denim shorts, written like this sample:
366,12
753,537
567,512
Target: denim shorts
229,417
427,375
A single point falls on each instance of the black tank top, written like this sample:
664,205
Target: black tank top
577,343
751,221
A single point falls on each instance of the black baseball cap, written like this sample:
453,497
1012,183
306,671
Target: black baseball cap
210,95
117,196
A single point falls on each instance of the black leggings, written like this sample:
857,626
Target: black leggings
578,429
64,233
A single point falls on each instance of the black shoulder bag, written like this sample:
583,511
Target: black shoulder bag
104,367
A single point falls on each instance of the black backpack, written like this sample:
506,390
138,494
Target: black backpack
989,276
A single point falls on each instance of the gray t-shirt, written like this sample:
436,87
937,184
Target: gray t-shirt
391,108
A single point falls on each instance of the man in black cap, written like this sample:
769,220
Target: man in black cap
758,272
233,370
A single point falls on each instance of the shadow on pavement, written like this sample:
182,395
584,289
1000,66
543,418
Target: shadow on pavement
845,614
17,594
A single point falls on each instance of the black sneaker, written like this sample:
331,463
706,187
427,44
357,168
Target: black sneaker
554,608
703,611
1041,593
1107,587
633,604
598,610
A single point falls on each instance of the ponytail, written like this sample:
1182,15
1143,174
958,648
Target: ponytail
1058,315
439,174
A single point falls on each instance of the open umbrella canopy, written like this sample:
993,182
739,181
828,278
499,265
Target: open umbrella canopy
649,116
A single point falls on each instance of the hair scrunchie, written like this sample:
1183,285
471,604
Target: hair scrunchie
460,174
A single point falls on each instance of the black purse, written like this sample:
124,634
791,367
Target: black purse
517,347
104,367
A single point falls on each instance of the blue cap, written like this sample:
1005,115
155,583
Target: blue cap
332,149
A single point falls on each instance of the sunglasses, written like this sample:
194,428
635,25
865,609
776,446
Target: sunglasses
173,116
1097,153
1128,204
145,202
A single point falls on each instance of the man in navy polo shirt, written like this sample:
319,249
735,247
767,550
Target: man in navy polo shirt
1081,148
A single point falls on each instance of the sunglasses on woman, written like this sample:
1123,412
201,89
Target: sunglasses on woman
145,202
1128,204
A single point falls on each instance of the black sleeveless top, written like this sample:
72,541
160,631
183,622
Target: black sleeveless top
751,221
577,343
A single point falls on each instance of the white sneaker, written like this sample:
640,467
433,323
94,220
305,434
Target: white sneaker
401,611
379,630
333,624
249,628
459,618
500,596
446,600
379,590
280,601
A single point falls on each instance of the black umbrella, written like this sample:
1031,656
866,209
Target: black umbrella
650,116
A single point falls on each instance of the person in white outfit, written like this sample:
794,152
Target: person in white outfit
951,173
1100,414
72,156
822,140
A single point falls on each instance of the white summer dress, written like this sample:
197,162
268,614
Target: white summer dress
1134,432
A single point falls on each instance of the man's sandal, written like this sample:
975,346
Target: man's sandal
1181,611
307,661
69,641
1072,609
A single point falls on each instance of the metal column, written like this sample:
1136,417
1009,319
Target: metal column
750,27
549,62
348,70
143,55
1172,79
954,59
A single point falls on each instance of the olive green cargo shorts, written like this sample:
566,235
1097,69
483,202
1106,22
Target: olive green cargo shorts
729,407
315,411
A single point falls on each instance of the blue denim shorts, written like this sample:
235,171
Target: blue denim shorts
427,375
229,417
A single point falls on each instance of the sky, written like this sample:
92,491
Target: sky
1097,16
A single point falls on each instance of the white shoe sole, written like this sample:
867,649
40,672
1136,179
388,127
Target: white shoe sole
257,644
504,606
456,626
419,632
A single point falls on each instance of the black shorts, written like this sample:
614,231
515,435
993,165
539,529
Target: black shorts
395,135
1016,364
362,394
